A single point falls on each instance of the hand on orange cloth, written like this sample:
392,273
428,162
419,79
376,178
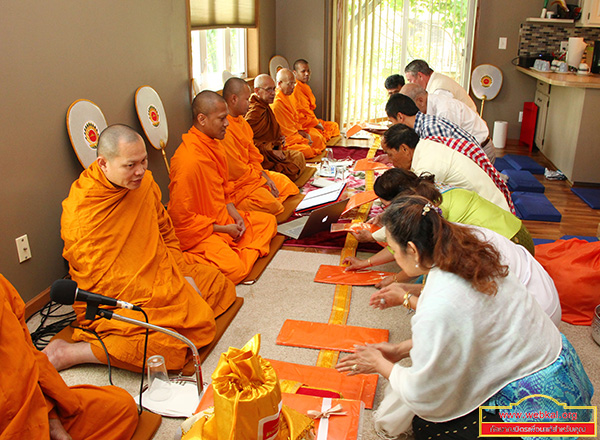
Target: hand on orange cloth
366,359
239,222
393,295
383,158
58,431
363,235
305,135
355,263
271,185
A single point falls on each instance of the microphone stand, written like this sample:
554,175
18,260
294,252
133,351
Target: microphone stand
108,314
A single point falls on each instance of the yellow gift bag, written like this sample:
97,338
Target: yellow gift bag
247,402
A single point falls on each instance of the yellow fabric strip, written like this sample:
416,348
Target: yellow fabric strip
343,293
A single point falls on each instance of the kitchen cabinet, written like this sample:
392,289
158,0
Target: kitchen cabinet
570,137
590,13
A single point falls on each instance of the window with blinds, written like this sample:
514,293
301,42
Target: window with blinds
222,13
373,39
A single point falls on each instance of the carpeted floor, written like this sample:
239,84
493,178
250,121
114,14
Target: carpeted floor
286,291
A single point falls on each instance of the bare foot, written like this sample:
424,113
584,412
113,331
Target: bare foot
64,355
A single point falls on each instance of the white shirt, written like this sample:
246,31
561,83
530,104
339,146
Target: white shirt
439,82
456,111
467,345
527,269
455,169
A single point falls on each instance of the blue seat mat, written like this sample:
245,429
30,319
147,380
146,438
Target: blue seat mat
502,164
538,241
580,237
523,181
591,196
524,163
535,206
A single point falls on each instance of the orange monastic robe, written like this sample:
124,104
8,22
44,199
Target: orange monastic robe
305,103
33,391
200,192
250,192
121,243
287,116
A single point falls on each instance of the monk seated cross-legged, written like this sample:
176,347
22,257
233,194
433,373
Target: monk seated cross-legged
309,141
211,230
36,402
268,139
254,189
305,103
120,242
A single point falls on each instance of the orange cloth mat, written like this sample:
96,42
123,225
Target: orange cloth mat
337,275
340,427
369,165
358,387
353,130
359,199
354,227
328,336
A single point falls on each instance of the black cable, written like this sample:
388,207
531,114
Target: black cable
103,347
43,333
141,408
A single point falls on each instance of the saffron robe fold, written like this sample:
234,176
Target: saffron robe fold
121,243
250,192
289,122
200,192
33,391
268,139
305,102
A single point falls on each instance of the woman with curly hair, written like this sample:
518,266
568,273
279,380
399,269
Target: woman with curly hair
478,337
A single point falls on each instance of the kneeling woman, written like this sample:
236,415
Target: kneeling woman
478,337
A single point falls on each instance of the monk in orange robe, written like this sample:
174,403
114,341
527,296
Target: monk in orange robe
305,103
267,133
120,242
209,227
254,189
310,142
37,404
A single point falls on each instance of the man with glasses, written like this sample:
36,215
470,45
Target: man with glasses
267,133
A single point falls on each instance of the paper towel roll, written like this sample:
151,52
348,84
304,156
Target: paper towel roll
500,132
575,51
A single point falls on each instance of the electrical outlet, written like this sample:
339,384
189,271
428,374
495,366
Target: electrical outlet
23,248
520,116
502,43
564,46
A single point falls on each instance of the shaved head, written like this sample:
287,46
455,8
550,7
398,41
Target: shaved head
112,137
300,62
286,81
285,75
263,81
206,102
234,86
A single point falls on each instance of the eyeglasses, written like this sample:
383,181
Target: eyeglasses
268,89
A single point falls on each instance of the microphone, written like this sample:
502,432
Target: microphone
66,292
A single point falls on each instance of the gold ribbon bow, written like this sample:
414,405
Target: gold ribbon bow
335,411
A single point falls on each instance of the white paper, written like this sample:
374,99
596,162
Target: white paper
183,401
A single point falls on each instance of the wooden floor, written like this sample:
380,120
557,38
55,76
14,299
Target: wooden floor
577,217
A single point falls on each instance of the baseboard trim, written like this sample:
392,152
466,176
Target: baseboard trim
36,303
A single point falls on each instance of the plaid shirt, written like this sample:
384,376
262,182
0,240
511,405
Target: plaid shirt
427,126
477,155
